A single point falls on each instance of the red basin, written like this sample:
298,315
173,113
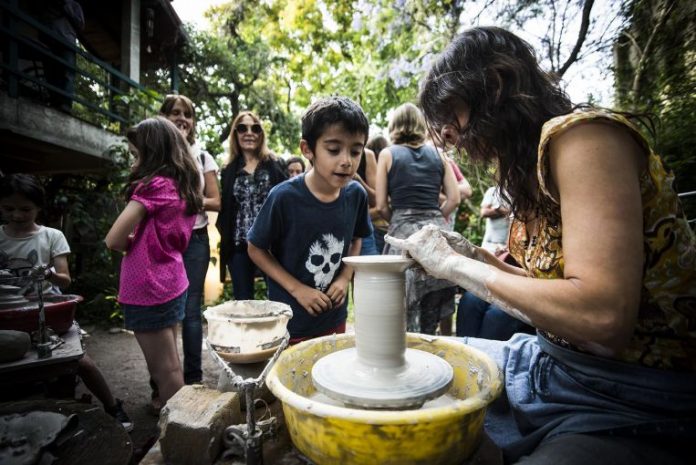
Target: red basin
59,309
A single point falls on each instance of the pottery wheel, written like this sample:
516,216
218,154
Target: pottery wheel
10,297
343,377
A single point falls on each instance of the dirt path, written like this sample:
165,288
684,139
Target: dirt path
119,357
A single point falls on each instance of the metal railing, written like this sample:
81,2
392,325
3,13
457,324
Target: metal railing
87,88
688,195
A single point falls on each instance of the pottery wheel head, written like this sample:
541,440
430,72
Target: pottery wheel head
341,376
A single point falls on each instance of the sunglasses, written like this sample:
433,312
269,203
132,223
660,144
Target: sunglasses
255,128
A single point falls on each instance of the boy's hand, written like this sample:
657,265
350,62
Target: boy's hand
337,290
312,300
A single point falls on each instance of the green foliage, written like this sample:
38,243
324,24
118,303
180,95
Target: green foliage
84,207
260,291
666,86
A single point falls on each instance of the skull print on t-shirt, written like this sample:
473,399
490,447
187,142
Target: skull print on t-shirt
324,259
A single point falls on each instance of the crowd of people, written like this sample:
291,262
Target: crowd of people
574,291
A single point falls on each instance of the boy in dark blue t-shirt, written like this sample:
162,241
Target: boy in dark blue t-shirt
310,222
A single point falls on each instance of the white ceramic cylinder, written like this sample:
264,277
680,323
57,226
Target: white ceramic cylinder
380,313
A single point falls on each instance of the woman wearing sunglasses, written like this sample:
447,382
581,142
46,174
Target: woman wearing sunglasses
251,171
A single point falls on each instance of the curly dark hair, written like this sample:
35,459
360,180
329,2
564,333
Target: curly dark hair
496,75
162,151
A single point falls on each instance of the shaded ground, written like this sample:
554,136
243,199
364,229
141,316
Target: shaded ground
119,357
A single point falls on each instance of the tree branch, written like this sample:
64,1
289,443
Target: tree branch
582,35
647,50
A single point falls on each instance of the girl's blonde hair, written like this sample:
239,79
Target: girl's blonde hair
263,153
407,125
162,151
168,105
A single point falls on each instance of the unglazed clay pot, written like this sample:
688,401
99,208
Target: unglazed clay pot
247,331
381,372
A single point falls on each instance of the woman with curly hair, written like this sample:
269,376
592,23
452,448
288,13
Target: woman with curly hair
608,273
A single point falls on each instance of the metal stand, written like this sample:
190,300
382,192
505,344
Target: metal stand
43,347
36,277
246,440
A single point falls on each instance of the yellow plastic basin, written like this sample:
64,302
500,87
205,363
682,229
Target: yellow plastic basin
329,434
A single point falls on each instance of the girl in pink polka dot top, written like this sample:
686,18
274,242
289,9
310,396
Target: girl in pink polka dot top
153,231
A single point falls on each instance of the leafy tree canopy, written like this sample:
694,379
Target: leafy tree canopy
275,56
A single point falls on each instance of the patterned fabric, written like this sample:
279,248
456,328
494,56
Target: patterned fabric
665,333
152,271
251,191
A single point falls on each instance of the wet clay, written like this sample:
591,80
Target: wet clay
380,372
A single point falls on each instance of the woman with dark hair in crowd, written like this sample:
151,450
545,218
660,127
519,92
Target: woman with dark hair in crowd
295,166
251,171
179,110
608,273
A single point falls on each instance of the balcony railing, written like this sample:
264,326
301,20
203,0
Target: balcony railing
40,65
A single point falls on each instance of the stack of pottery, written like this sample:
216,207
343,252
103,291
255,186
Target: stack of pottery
10,297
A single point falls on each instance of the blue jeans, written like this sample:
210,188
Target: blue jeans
368,246
243,271
196,259
368,243
379,240
478,318
552,392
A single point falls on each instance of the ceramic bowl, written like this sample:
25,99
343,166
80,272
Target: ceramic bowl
247,331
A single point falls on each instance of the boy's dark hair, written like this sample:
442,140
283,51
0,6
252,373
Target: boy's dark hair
329,111
23,184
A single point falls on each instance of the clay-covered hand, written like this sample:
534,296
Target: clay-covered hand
461,245
429,247
312,300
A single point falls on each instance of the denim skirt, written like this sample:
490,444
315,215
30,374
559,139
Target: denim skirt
141,318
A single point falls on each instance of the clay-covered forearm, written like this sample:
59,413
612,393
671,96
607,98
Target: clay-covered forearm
565,307
475,277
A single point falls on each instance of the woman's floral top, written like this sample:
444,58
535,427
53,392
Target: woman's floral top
665,333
